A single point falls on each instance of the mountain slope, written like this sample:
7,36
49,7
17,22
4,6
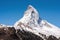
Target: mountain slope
31,22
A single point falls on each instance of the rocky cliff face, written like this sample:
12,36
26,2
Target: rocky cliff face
9,33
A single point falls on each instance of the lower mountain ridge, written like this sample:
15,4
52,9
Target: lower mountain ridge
9,33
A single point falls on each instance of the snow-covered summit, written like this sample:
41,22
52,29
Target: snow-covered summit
32,12
33,23
31,16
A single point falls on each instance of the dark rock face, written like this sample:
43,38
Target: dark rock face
52,38
28,35
8,33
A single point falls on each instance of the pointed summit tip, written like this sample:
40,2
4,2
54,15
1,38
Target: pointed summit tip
31,7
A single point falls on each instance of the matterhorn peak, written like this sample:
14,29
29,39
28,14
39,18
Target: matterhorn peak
32,22
30,6
30,15
32,12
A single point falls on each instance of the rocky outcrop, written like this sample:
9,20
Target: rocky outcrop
9,33
23,35
52,38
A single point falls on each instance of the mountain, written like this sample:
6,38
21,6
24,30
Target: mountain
30,27
31,22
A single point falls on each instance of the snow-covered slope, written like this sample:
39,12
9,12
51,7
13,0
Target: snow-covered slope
33,23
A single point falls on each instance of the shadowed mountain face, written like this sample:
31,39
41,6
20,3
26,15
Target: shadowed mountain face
7,33
12,34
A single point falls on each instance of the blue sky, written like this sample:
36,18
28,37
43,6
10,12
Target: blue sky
13,10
